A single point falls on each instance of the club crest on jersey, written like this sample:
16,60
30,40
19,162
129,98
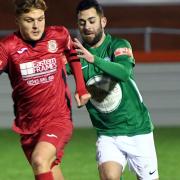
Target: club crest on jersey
123,51
52,46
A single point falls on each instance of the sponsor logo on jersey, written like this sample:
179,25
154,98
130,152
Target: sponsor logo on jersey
42,70
51,135
52,46
36,68
123,51
22,50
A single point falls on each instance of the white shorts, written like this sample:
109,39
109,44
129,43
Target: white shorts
138,151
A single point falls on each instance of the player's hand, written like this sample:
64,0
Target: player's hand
83,52
82,100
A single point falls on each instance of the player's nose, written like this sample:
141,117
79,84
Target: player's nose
35,24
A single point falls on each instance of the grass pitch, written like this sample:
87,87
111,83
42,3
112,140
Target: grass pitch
79,161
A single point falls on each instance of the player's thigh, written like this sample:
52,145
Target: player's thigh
142,158
54,136
44,152
28,143
58,137
110,159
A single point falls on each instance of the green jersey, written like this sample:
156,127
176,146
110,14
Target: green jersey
116,106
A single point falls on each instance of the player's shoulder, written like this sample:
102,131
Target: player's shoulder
57,30
120,42
10,41
121,47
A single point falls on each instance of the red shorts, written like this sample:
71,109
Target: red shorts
56,135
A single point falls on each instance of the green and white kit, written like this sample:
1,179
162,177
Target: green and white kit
116,107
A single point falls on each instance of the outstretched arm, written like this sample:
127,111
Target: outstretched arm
81,92
120,71
75,65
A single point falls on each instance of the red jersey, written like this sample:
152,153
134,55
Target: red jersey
37,74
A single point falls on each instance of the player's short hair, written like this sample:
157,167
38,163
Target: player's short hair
87,4
24,6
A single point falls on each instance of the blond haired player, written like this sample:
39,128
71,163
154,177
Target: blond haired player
33,58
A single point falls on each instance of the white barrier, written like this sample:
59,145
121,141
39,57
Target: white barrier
158,83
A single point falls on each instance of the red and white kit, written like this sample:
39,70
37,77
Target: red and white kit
38,78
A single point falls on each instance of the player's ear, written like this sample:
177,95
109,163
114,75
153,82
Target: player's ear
103,22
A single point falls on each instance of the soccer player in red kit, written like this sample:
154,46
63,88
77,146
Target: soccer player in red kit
33,57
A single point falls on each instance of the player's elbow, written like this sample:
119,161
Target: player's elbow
124,79
125,76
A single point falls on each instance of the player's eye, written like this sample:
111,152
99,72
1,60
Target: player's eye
82,23
41,19
92,21
29,20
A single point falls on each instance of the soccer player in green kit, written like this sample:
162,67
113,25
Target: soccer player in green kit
116,109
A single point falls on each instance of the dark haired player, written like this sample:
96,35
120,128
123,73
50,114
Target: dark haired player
116,109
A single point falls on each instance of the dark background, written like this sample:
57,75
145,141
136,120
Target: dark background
62,12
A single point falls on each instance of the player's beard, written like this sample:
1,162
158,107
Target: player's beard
96,39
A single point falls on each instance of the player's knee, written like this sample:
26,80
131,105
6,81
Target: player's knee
38,162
